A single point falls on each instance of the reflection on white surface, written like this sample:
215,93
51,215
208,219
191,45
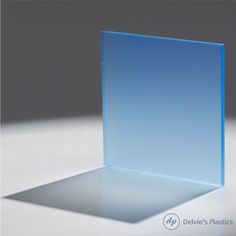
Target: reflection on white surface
115,193
37,153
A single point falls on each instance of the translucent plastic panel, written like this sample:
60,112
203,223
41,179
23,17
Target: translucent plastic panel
163,106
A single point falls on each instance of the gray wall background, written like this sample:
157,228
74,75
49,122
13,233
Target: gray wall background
51,49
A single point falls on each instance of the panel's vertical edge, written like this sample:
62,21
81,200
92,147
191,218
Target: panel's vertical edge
222,69
103,95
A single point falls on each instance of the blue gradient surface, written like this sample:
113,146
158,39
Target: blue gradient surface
163,106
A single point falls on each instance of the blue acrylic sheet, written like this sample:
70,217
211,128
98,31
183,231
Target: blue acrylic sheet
163,120
163,106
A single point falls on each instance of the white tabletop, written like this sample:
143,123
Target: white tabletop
36,153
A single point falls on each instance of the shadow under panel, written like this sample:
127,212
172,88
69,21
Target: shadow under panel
115,193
